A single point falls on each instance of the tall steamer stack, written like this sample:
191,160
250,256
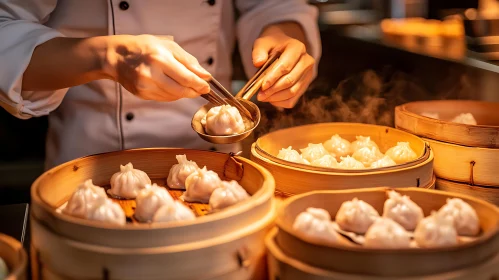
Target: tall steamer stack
466,156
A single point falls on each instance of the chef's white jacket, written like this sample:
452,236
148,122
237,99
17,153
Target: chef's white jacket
102,116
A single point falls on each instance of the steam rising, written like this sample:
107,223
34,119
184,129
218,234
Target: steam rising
369,97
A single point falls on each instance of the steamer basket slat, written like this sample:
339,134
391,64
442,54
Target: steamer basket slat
14,256
294,178
386,263
220,245
282,266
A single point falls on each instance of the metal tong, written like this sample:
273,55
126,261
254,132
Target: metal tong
251,87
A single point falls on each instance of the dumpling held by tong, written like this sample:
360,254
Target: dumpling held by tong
223,120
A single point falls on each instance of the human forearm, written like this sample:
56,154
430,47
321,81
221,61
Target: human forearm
66,62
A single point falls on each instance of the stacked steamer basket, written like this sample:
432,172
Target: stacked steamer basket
466,156
292,178
291,256
14,257
224,245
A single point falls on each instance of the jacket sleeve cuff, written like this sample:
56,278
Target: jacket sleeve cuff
19,40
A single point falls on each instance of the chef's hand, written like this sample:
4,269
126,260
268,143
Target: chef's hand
289,79
155,68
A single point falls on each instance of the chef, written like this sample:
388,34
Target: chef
116,75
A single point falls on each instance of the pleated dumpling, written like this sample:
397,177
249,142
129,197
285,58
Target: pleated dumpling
465,217
180,171
128,182
367,155
385,161
401,153
200,185
356,215
313,152
109,212
337,146
4,269
175,211
386,233
149,201
326,161
228,194
316,225
362,142
289,154
402,210
465,118
349,162
223,120
86,197
436,230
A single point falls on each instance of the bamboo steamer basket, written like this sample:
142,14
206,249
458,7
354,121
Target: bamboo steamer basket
486,134
221,245
410,262
15,257
293,178
470,165
282,266
488,194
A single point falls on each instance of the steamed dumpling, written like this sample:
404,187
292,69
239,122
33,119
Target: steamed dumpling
386,233
385,161
326,161
402,210
180,171
349,162
465,217
128,182
315,224
86,197
356,216
149,201
465,118
313,152
401,153
200,184
4,270
362,142
289,154
229,193
367,155
175,211
436,231
223,120
109,212
337,146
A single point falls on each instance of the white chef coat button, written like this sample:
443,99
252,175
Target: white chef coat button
124,5
210,60
211,2
129,116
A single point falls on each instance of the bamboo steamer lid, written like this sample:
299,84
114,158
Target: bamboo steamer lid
386,262
71,248
489,194
486,134
282,266
292,178
15,257
469,165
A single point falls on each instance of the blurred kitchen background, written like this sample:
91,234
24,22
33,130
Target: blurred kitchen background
376,55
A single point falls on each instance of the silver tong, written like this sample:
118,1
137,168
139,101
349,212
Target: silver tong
247,92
